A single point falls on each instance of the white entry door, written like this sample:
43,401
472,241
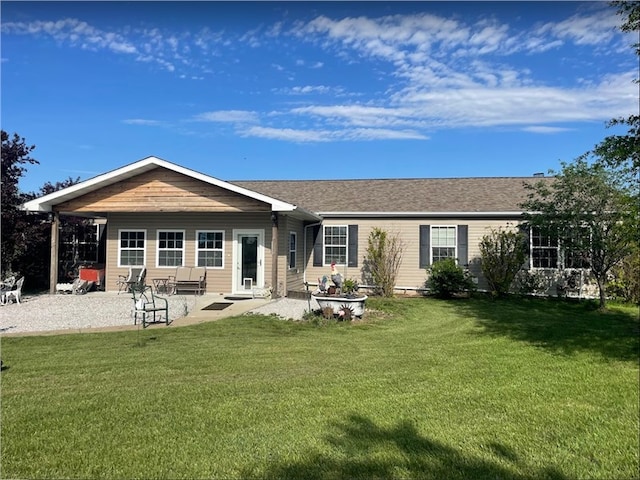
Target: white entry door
248,255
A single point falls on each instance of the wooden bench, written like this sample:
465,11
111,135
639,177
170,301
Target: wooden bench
190,279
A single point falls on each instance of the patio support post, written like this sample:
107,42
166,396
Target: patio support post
274,254
53,272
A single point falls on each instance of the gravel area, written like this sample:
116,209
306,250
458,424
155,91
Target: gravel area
41,313
287,308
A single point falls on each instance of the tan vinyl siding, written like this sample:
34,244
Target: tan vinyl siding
295,276
411,275
219,280
162,190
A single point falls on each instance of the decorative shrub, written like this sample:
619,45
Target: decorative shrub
503,254
626,279
446,279
382,261
527,282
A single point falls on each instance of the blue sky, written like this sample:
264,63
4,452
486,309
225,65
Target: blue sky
305,90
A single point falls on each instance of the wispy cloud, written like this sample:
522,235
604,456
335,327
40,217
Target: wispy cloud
288,134
228,116
142,121
545,130
312,136
436,72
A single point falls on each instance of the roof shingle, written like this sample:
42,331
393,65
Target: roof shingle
473,195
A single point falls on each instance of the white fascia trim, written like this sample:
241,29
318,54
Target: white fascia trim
420,214
44,204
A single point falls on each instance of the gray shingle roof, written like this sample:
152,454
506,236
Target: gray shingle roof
489,194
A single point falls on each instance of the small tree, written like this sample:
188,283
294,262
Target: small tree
502,256
592,211
382,262
446,278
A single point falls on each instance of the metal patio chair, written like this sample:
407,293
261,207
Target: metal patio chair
135,278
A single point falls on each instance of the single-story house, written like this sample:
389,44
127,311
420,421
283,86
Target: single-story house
279,235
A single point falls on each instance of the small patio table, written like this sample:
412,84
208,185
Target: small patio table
162,286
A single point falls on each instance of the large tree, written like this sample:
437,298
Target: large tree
592,211
16,155
622,152
26,237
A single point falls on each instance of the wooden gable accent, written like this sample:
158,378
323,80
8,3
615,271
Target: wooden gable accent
162,190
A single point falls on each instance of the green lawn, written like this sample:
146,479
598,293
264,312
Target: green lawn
465,389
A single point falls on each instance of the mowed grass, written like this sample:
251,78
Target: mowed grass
465,389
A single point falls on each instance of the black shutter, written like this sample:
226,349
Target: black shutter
352,250
425,240
318,241
463,245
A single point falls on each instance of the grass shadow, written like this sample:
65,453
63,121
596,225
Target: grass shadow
561,326
369,451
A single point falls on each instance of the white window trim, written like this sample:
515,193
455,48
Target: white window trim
431,246
561,256
294,251
531,249
324,246
198,250
144,249
184,245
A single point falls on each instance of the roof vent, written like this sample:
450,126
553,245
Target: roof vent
538,174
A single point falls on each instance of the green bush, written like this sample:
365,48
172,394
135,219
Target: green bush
527,282
503,255
382,261
626,279
446,279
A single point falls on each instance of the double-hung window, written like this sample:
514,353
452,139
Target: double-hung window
170,248
210,249
131,248
293,241
547,251
544,249
335,244
443,243
577,254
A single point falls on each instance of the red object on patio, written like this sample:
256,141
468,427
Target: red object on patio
93,274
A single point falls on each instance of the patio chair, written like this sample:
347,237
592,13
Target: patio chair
148,306
135,278
80,287
14,293
6,285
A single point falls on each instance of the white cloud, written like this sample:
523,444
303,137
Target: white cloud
228,116
430,72
142,121
593,28
545,130
287,134
302,90
314,136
